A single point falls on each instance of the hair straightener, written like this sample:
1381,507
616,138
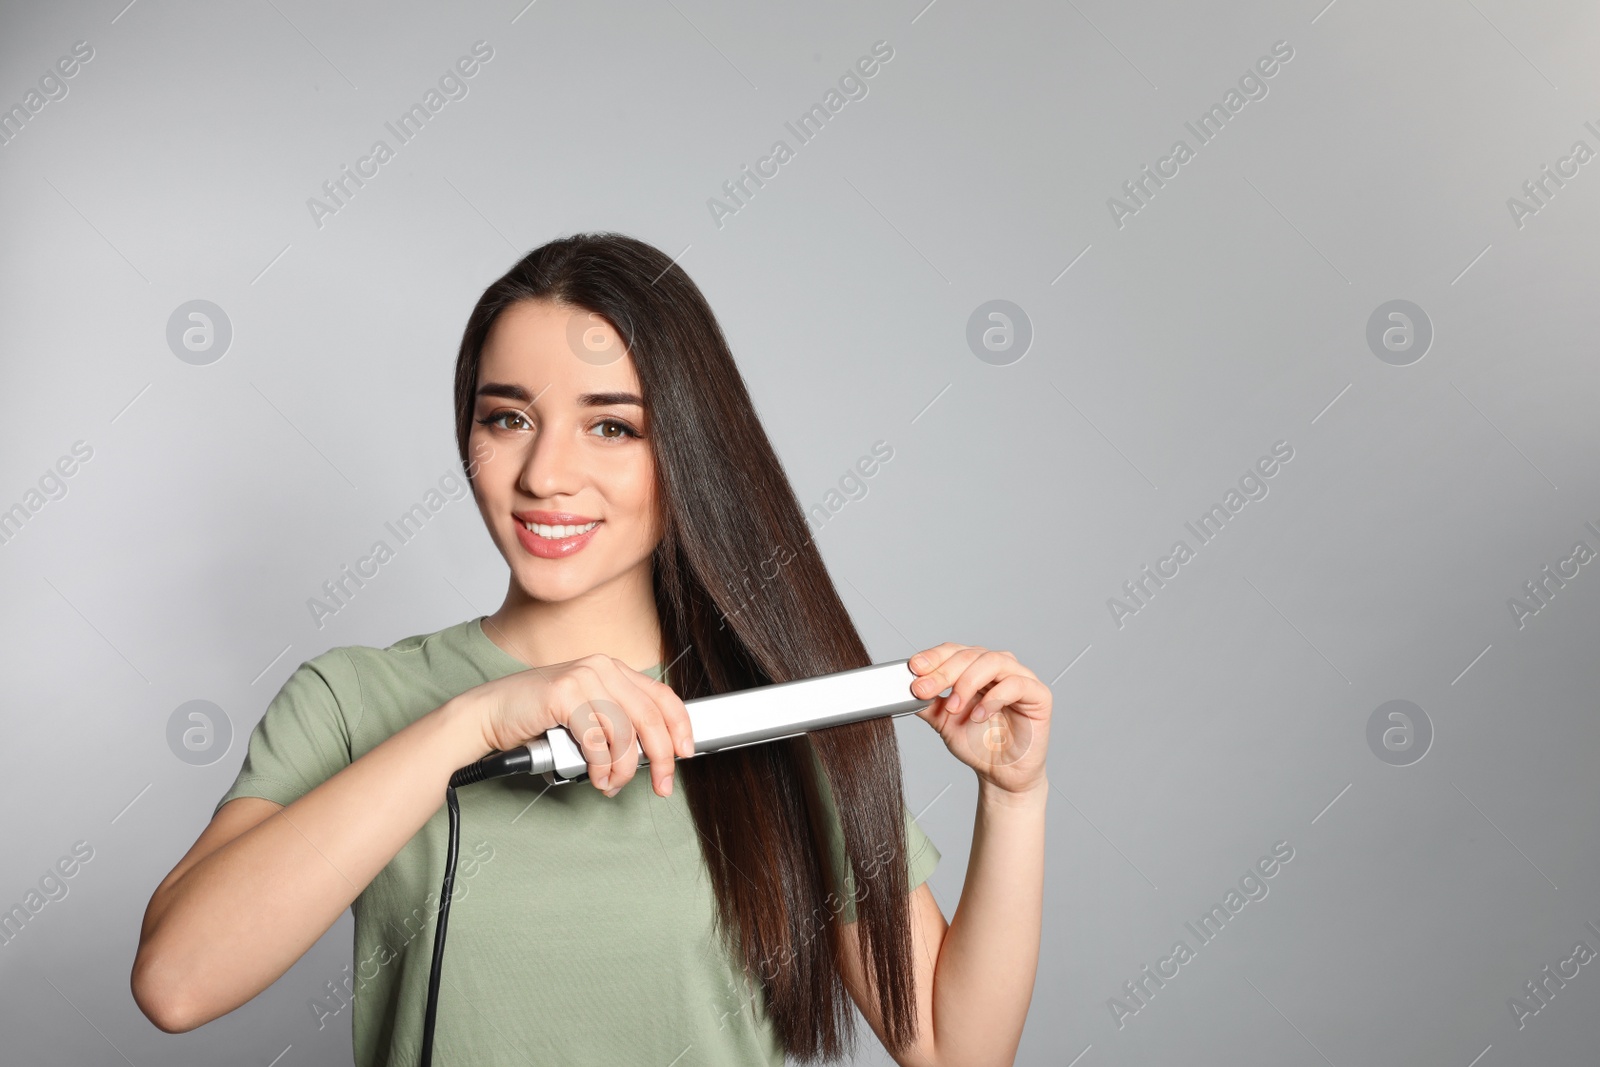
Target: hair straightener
719,722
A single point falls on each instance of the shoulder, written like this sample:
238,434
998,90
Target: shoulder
351,673
450,643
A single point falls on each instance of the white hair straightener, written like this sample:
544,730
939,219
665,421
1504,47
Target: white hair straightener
731,720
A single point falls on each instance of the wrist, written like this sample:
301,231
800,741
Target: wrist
459,724
1030,798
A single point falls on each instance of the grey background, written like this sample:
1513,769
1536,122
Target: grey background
1228,314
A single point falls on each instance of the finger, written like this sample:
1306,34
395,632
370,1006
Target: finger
623,737
1004,692
934,715
961,705
650,724
674,713
930,658
599,725
948,670
980,671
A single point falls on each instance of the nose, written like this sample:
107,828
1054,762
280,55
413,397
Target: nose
550,468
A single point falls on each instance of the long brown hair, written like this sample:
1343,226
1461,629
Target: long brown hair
742,590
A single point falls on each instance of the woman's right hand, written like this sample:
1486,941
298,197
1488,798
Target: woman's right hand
605,704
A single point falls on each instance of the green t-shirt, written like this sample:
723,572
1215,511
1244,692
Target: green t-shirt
581,930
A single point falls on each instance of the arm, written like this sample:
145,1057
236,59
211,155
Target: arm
264,882
974,977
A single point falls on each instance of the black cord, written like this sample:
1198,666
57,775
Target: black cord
444,918
493,765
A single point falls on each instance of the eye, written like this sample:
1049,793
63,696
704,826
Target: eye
496,418
626,430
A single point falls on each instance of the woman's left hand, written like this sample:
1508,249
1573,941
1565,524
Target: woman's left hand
996,719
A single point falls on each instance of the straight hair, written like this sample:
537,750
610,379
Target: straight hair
729,516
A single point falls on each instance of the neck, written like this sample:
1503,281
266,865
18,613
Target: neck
616,619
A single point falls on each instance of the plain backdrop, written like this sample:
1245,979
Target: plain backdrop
1153,346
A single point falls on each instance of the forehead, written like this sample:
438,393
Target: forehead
570,350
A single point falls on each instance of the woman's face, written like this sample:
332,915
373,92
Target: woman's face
558,443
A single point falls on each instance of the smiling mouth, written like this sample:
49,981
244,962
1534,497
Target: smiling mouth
558,533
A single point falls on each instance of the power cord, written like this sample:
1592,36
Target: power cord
491,766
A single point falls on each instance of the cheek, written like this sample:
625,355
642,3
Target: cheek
635,491
491,484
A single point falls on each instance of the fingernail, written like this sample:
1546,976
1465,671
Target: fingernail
666,786
602,778
919,661
613,791
955,701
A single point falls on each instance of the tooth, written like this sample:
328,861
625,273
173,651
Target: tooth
557,533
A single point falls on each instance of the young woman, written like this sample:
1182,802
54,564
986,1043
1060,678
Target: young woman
657,552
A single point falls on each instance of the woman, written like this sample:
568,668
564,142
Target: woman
652,538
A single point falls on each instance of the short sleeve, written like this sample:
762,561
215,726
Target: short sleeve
303,738
922,855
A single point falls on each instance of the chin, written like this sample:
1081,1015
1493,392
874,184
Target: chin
554,588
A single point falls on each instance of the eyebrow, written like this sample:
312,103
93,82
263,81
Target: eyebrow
511,391
600,400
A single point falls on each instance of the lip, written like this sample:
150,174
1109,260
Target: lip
545,548
553,518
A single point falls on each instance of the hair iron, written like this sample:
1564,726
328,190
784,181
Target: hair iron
731,720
